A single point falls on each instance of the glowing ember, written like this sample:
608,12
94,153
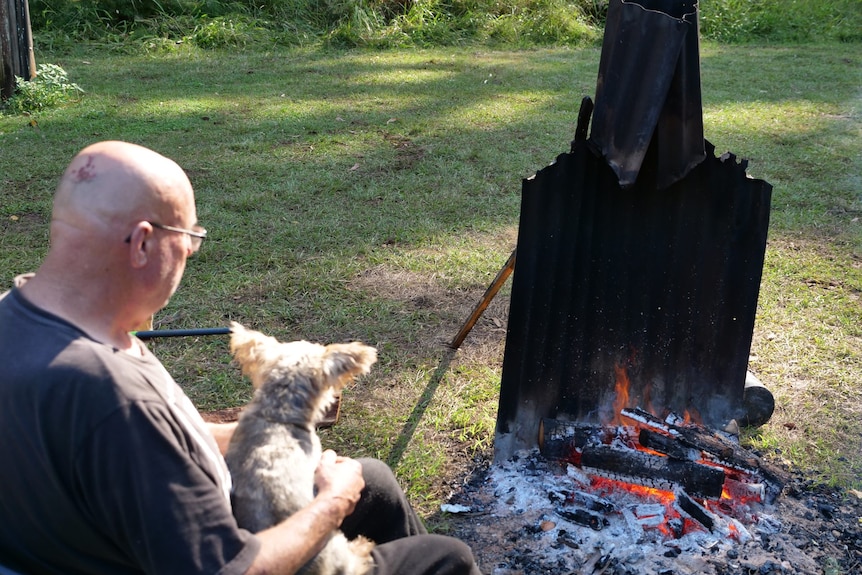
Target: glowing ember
606,487
679,476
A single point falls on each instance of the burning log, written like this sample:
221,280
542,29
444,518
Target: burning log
691,436
694,509
667,445
561,439
662,472
742,491
662,455
717,448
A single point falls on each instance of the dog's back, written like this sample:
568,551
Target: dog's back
272,469
274,451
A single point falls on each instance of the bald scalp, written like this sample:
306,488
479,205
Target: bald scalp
109,185
108,269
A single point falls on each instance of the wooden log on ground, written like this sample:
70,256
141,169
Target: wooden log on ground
758,402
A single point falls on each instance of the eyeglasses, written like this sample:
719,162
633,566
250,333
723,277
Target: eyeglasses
196,234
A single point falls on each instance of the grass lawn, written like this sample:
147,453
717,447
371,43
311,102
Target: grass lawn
374,195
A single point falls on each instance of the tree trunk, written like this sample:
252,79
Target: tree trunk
16,45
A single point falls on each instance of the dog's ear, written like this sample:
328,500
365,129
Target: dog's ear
348,359
251,349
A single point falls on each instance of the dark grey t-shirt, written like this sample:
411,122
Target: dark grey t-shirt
107,468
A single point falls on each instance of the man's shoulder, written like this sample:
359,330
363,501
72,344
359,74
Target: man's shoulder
18,281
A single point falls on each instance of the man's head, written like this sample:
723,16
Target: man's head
116,231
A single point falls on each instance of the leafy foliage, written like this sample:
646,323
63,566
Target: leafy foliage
390,23
781,20
51,87
394,23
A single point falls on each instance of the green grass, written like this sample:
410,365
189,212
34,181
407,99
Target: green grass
373,195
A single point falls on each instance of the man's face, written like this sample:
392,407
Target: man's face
175,242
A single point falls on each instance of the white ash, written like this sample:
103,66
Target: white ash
514,529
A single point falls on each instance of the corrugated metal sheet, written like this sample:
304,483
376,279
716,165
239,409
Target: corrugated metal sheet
663,283
648,91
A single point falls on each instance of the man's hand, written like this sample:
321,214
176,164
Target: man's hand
289,545
339,478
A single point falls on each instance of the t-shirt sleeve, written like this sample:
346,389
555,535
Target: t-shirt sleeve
157,505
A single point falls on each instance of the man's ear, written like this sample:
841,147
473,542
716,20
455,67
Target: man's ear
137,241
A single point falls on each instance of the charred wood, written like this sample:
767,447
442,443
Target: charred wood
583,517
582,499
561,439
694,509
742,491
689,435
654,470
715,447
772,478
646,418
682,443
667,444
558,439
592,502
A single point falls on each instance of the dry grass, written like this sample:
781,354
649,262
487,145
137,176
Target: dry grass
806,351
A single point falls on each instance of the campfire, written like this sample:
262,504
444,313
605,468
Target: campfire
681,476
534,515
625,373
648,495
690,477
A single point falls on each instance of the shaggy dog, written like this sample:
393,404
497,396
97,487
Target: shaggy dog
275,450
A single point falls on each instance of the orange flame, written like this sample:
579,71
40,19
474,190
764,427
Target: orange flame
621,393
690,416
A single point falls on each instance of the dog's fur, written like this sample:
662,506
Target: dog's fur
275,450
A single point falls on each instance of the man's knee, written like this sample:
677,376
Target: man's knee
425,555
459,559
377,472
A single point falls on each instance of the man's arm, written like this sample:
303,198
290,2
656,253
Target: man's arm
292,543
222,432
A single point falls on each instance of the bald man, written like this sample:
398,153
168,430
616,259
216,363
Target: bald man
108,468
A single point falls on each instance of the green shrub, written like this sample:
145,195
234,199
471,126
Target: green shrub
544,22
734,21
225,32
51,87
427,22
